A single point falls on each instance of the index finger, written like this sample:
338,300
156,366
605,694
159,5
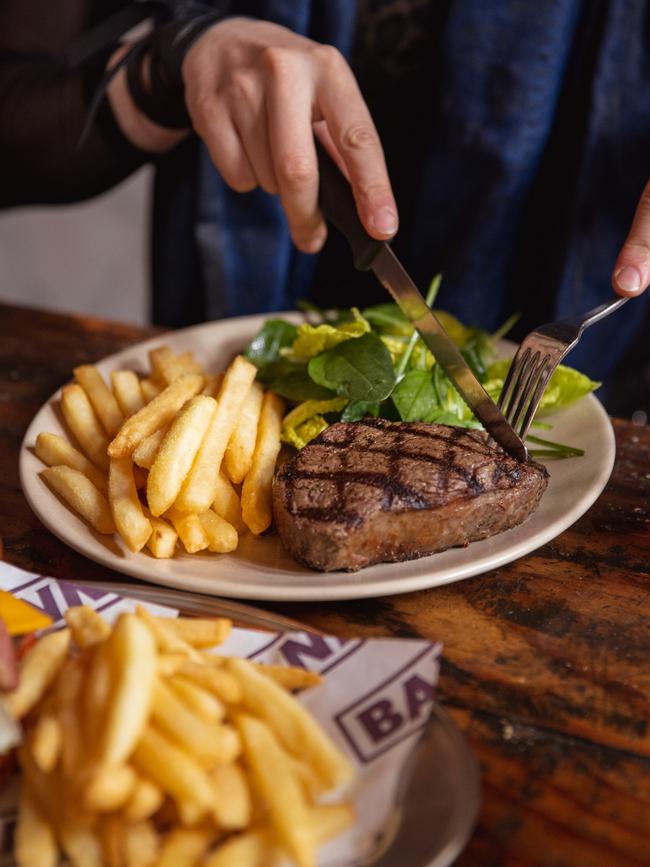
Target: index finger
355,137
632,270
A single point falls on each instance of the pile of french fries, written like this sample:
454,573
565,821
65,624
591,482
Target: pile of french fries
178,454
141,748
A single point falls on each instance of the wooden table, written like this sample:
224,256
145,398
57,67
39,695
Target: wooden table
546,661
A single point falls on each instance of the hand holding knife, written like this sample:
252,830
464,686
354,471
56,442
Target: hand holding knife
338,206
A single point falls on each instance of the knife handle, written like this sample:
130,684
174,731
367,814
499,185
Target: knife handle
338,206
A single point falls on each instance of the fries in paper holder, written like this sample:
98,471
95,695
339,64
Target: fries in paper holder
128,761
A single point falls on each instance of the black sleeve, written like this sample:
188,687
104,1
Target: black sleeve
43,106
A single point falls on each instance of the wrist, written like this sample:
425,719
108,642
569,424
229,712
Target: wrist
135,125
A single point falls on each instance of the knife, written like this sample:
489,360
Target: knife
338,206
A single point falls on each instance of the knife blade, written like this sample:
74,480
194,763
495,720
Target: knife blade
338,206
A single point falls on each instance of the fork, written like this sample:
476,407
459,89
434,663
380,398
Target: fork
537,357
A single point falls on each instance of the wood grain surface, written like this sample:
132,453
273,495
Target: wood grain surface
546,660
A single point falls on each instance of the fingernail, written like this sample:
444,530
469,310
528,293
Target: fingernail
628,279
384,221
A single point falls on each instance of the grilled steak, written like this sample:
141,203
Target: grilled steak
375,491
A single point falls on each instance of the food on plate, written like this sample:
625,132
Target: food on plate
377,491
128,761
84,425
200,486
256,500
191,463
189,448
344,365
81,495
101,397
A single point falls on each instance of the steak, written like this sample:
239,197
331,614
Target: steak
374,491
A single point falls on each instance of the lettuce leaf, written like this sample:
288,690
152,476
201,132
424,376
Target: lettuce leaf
314,339
566,386
306,421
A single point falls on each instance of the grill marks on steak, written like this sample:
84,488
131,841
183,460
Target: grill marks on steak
375,490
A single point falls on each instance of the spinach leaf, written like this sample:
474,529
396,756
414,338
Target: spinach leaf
415,396
265,347
360,369
358,409
274,370
298,385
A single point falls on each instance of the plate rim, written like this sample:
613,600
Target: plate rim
349,586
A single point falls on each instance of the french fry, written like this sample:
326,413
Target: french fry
202,702
146,799
239,453
274,781
245,850
127,391
232,797
82,496
83,424
215,680
159,412
35,843
111,834
291,723
110,788
177,452
197,631
180,775
157,357
210,744
227,504
150,388
312,784
184,847
38,668
144,454
166,637
256,490
166,366
190,530
101,398
199,489
86,626
96,693
222,536
134,664
68,698
46,742
170,664
163,538
141,844
289,677
130,520
81,844
56,451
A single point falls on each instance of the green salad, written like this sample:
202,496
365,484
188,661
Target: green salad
343,365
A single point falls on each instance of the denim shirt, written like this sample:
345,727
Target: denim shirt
529,153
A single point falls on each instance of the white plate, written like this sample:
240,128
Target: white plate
260,568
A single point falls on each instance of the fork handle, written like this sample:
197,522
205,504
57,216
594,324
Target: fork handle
598,313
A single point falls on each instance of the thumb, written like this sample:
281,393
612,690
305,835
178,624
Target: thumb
631,274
